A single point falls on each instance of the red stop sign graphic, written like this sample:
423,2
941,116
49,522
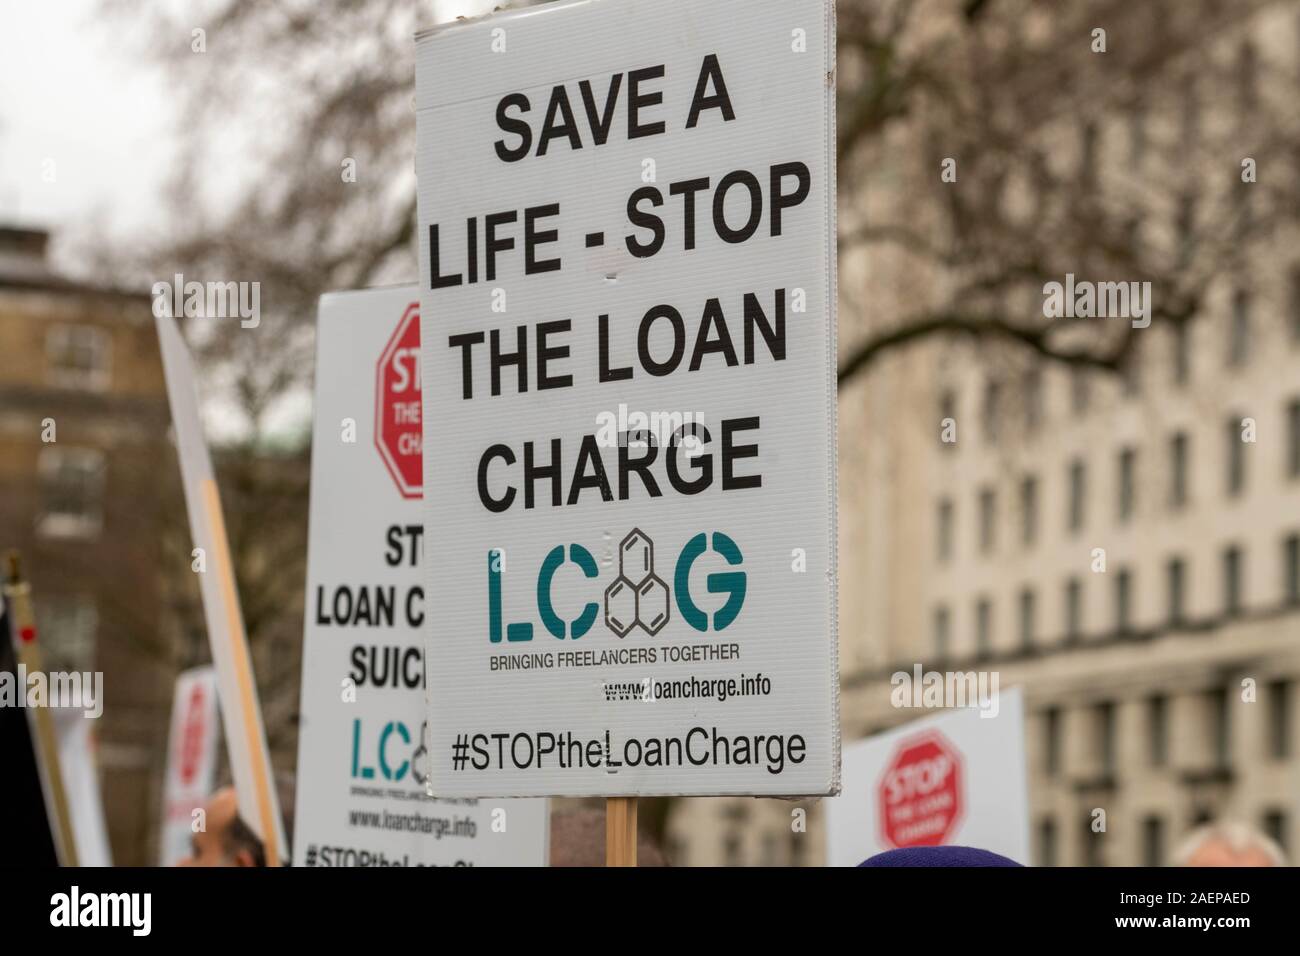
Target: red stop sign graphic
192,734
399,430
920,795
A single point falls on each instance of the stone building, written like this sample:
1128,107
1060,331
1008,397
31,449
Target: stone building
85,472
1162,689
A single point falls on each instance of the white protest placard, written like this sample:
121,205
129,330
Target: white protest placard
362,764
627,248
954,779
191,760
80,769
241,710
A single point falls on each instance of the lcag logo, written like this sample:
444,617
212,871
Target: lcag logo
637,598
394,751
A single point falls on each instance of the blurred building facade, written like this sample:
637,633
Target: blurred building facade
1162,689
84,463
90,496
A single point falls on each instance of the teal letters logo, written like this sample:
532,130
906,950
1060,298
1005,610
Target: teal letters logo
637,598
730,583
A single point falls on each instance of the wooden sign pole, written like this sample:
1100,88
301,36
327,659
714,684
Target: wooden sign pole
44,739
620,831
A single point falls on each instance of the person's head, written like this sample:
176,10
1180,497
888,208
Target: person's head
944,856
225,839
1228,844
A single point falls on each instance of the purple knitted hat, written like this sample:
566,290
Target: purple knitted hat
938,856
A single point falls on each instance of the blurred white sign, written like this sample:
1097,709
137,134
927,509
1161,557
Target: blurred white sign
191,760
241,710
362,759
954,779
80,772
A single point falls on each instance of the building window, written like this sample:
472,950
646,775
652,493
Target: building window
1176,572
1131,368
1033,398
1239,330
1158,730
731,850
1133,231
1105,717
1026,618
1052,741
1127,482
1178,454
77,356
72,489
68,626
1073,610
1153,841
1137,132
988,515
1232,561
1295,305
992,410
1092,842
1123,601
1190,121
1291,569
983,627
1078,490
1279,720
1202,815
944,522
1220,736
1182,346
1293,439
942,629
947,413
1186,227
1028,510
1080,390
1246,219
1273,823
1089,135
1047,842
1236,456
1247,77
796,848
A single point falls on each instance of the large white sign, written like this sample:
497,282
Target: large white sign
241,711
362,760
954,779
191,760
626,216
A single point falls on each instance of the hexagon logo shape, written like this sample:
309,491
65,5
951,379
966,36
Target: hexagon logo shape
638,597
620,606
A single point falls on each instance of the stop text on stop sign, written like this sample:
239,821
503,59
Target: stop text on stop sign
399,422
921,793
918,779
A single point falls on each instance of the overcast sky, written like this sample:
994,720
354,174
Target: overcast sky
86,136
77,101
